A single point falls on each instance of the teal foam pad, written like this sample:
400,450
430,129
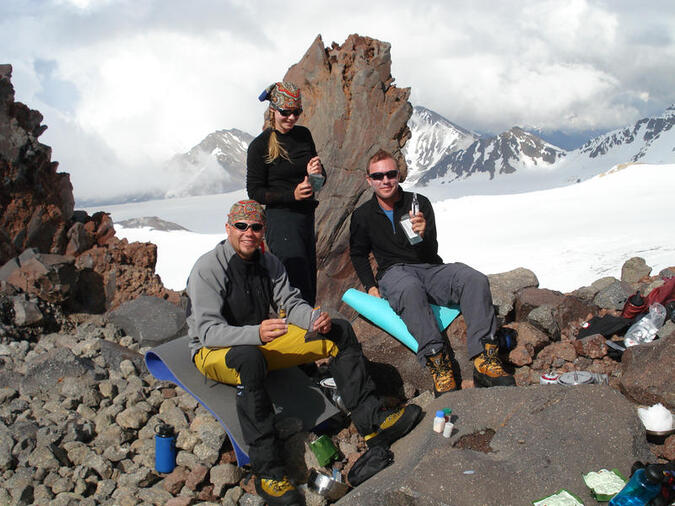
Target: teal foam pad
379,312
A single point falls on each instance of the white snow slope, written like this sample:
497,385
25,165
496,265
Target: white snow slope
569,236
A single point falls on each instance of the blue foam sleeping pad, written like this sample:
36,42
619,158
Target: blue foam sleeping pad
293,394
379,312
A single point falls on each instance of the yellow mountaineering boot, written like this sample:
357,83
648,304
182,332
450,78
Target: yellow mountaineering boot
277,491
394,426
441,372
488,370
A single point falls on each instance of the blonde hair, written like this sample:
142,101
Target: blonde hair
274,148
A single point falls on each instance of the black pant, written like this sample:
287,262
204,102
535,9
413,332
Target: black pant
290,236
254,406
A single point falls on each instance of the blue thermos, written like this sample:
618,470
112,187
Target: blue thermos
165,448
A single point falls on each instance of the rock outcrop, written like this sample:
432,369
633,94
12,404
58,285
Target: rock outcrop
48,249
36,201
353,109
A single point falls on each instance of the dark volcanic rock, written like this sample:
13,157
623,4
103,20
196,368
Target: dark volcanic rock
44,373
648,372
530,298
545,438
353,109
150,320
114,354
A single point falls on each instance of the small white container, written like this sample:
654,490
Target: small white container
439,421
447,429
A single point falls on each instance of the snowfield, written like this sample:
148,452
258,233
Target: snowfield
569,236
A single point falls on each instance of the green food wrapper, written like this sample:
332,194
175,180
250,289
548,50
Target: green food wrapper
604,484
561,498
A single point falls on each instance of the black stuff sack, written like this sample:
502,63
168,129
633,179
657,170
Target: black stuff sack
369,464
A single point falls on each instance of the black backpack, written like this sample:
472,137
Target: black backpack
369,464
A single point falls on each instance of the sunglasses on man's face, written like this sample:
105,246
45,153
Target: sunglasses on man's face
240,225
287,112
379,176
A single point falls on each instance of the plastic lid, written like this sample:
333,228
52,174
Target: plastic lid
653,474
440,414
447,411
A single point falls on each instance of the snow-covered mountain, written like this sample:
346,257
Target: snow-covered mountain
518,161
507,153
216,165
650,140
433,137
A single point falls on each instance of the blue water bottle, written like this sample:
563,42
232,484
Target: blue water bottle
165,448
644,485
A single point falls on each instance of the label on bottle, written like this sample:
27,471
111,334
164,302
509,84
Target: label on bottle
406,224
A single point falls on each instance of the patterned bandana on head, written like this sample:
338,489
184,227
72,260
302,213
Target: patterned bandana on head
284,95
248,210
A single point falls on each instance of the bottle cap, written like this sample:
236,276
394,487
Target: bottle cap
164,430
653,474
447,411
440,414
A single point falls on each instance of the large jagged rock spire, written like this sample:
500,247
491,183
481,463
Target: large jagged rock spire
353,109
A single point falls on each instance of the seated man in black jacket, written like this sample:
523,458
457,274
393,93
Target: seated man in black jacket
411,275
237,293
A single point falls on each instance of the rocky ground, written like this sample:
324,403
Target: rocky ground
79,408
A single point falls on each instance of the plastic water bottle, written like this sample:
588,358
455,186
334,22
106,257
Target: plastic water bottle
643,486
644,330
165,448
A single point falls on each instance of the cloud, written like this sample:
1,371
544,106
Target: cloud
124,85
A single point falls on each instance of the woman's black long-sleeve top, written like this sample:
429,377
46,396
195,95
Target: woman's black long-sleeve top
274,184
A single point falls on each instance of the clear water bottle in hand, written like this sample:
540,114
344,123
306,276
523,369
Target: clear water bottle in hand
644,330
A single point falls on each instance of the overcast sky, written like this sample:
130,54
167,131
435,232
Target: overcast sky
125,84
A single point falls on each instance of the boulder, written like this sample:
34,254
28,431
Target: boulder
613,295
648,374
510,446
44,372
505,285
530,298
634,269
52,278
151,321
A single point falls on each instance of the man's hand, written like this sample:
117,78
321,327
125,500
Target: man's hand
374,291
270,329
303,190
419,224
314,166
323,324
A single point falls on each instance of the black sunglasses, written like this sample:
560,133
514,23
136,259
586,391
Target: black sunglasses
240,225
287,112
379,176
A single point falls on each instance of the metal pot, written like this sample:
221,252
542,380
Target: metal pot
576,378
326,486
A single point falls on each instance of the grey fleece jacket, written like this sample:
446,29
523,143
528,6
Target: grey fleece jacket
207,286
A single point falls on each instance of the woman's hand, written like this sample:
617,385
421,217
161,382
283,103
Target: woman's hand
374,291
303,190
314,166
270,329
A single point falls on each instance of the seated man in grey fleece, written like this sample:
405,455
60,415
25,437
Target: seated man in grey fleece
245,319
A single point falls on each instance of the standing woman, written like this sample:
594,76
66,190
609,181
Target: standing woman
280,163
